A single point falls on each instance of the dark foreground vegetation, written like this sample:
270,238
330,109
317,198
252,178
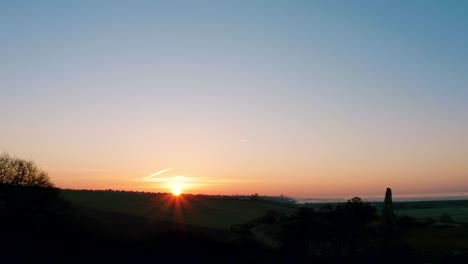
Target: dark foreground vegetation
40,223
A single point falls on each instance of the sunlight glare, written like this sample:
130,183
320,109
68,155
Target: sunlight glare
176,189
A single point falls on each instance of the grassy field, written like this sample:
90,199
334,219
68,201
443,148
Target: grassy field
457,210
212,212
434,242
459,215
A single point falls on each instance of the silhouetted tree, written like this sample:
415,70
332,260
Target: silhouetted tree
20,172
305,213
359,211
334,230
28,201
255,197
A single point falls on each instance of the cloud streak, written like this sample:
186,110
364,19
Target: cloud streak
155,174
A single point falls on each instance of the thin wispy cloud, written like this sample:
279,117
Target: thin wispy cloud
151,177
79,170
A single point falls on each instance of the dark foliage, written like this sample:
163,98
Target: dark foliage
20,172
340,230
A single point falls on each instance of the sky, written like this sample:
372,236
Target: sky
301,98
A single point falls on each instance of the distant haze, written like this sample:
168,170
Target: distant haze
301,98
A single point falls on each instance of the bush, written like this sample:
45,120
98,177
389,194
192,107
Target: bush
446,219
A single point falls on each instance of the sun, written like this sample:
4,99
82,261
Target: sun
176,192
176,189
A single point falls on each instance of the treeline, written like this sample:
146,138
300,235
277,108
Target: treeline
256,197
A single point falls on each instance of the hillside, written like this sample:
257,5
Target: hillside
219,212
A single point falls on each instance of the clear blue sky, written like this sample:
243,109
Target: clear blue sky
299,97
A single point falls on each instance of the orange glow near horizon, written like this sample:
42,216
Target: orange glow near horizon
331,185
319,181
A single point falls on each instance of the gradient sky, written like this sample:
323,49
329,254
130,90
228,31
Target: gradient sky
301,98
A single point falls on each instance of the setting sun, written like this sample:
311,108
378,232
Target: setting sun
178,184
176,192
176,189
